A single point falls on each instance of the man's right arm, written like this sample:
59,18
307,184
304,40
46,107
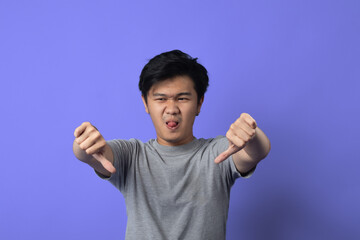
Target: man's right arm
90,147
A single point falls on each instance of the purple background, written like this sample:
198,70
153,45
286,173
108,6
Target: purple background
293,65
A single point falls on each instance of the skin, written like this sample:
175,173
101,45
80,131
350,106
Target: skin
175,99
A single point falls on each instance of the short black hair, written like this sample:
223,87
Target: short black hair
171,64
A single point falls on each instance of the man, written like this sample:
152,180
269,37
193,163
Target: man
177,186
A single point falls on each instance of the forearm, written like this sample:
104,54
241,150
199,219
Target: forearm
254,151
258,147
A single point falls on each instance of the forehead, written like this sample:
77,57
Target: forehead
173,85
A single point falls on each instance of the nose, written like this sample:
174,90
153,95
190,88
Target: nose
172,108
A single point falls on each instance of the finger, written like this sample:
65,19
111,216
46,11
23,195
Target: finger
250,131
84,135
91,140
224,155
241,130
79,130
250,121
96,147
239,138
246,133
104,162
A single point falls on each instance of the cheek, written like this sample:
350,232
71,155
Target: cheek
155,111
190,114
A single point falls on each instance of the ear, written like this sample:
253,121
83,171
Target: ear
145,104
199,105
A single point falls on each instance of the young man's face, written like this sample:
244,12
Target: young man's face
172,105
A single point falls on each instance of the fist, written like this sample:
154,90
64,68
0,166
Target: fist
92,142
89,138
239,134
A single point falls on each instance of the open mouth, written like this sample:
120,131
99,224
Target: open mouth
172,124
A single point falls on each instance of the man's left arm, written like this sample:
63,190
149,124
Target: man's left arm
248,144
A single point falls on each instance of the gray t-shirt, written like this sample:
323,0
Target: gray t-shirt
174,192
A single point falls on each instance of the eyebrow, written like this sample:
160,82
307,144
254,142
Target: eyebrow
177,95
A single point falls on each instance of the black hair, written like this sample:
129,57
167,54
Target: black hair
171,64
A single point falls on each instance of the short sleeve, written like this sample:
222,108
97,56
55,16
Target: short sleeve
228,168
123,151
244,175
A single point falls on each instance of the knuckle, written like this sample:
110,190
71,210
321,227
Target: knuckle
82,146
94,134
255,124
97,134
228,135
100,139
102,144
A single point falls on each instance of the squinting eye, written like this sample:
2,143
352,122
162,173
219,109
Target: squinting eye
183,99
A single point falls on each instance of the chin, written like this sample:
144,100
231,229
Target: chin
173,141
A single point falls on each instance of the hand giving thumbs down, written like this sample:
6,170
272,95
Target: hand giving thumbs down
239,134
